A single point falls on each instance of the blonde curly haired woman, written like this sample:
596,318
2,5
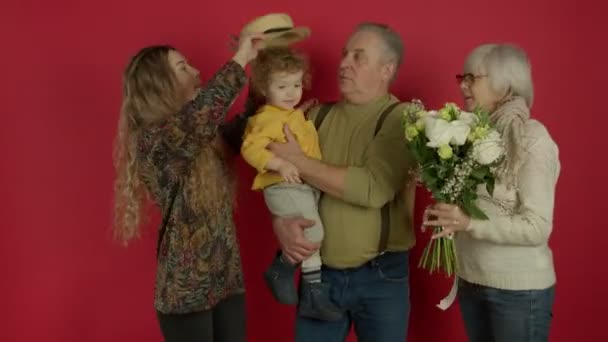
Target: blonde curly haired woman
170,148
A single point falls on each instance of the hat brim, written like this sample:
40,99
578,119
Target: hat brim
285,38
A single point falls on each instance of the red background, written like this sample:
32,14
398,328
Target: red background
64,279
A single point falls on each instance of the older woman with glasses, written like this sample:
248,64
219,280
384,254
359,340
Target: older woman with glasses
505,266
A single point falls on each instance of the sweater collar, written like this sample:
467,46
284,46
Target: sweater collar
367,108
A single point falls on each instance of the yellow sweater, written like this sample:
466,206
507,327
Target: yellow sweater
266,126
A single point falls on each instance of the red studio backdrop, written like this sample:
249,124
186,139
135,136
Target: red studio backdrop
64,279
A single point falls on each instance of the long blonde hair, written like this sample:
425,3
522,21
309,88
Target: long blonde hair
150,94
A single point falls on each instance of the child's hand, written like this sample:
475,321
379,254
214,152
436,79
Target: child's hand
287,170
290,173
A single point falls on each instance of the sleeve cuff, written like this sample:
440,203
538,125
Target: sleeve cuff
239,72
264,159
476,228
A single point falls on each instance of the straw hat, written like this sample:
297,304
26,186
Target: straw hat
279,29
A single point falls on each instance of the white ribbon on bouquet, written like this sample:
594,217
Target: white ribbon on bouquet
446,302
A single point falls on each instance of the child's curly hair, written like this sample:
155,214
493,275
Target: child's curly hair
277,59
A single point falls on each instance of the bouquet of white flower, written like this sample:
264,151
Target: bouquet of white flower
456,151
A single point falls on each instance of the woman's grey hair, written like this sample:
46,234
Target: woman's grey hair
392,40
507,67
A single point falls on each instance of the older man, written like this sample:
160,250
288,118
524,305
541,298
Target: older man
367,204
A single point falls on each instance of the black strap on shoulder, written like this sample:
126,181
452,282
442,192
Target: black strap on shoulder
325,108
385,223
383,116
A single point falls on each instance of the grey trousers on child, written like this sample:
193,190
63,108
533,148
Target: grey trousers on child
289,199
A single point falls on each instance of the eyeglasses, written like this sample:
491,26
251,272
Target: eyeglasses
468,78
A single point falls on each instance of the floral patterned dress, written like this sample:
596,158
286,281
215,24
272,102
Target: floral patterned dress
198,262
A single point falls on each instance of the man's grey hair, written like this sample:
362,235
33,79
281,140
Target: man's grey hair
391,39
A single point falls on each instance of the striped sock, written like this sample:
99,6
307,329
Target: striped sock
311,275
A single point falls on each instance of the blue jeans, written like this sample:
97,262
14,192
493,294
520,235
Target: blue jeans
374,298
494,315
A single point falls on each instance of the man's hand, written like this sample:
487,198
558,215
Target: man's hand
288,151
289,232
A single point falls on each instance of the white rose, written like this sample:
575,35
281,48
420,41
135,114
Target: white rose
468,118
488,150
459,131
438,131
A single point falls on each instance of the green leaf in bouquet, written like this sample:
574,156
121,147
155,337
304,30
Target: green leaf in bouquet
473,211
415,151
442,167
423,149
429,177
446,167
470,184
460,152
468,196
490,182
465,149
414,146
479,174
438,196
